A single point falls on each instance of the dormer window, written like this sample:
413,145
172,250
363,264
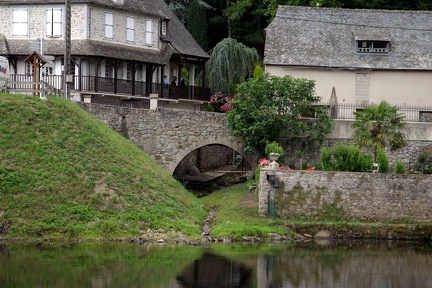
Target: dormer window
373,46
369,42
163,27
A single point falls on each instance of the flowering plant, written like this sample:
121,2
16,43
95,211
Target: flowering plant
263,162
284,168
310,168
220,102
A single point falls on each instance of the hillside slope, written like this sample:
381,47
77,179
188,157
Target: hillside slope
64,174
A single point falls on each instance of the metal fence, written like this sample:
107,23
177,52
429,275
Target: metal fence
346,111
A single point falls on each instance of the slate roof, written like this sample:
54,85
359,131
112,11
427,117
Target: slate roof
181,40
326,37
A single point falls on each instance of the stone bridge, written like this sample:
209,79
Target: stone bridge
169,135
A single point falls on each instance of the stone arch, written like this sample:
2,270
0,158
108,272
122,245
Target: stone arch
211,140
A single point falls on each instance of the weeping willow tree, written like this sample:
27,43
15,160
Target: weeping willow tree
230,63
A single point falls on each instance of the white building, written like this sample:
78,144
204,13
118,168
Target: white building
116,46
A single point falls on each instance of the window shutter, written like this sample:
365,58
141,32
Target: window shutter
57,22
149,32
20,22
109,23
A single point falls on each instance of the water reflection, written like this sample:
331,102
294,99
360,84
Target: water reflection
216,271
346,264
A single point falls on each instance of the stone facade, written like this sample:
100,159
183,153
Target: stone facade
350,196
169,135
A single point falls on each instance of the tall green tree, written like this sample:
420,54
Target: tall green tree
379,126
267,108
197,23
230,63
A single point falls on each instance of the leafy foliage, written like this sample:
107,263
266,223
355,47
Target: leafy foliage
197,24
230,63
275,147
383,161
267,108
343,157
399,167
379,126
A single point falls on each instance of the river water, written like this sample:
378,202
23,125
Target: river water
337,264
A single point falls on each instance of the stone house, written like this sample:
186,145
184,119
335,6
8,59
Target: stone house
354,56
116,47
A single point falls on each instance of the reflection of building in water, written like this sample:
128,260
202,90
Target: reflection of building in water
216,271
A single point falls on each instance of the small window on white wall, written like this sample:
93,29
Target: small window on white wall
109,25
54,23
164,28
130,29
149,33
20,22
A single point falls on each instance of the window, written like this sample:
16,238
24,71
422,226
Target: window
29,69
54,23
163,28
130,29
149,33
109,25
108,69
128,71
364,46
20,22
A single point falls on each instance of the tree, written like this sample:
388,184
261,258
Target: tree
267,108
197,23
230,63
378,127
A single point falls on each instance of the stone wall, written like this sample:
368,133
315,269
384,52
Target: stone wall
418,136
345,195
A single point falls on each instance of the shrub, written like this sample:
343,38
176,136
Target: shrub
399,167
274,147
343,157
383,162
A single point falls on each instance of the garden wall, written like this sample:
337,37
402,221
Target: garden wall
418,138
347,195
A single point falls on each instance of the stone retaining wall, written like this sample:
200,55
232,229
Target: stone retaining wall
346,195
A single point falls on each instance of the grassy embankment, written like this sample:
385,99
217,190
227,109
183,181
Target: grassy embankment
65,175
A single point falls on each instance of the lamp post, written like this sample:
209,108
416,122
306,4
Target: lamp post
67,53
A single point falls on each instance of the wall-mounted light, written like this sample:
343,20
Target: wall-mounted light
273,180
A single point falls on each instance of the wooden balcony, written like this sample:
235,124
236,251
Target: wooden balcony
114,86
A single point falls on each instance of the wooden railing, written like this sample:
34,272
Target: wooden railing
121,86
40,89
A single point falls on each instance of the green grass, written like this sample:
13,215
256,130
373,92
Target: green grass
237,215
64,174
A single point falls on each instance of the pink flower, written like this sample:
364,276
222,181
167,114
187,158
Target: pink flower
284,168
263,162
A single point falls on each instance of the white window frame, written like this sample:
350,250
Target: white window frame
109,25
130,29
149,33
54,23
164,27
20,22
